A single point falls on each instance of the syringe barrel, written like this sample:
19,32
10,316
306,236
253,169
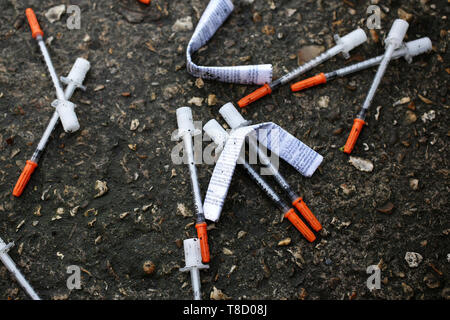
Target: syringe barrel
196,284
253,147
187,130
344,45
194,178
376,81
358,66
408,50
265,186
308,66
51,68
11,266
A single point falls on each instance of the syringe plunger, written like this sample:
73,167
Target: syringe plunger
67,115
216,132
232,116
193,258
417,47
351,41
77,73
185,121
397,33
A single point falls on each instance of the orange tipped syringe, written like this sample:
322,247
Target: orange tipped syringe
235,120
74,80
65,108
186,130
343,45
408,51
392,43
218,134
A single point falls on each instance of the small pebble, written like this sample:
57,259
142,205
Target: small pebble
148,267
212,100
101,188
54,14
361,164
183,24
284,242
410,117
413,259
414,184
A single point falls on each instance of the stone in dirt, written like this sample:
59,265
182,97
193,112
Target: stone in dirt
101,188
183,24
54,14
361,164
413,259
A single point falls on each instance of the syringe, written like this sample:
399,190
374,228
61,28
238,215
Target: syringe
65,108
11,266
235,120
343,45
408,51
392,42
73,80
193,258
218,134
186,130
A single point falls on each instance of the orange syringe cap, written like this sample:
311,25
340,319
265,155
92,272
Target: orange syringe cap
307,214
203,238
34,24
310,82
24,178
255,95
354,134
300,225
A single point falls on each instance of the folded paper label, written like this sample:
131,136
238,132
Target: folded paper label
213,17
304,159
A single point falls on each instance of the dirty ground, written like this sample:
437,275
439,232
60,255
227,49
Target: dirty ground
138,76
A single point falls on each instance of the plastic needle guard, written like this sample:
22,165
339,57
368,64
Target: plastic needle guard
24,178
307,214
203,237
145,1
310,82
354,134
300,225
255,95
34,24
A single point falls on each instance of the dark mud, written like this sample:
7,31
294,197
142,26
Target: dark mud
138,72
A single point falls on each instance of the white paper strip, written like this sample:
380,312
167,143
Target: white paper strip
304,159
215,14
